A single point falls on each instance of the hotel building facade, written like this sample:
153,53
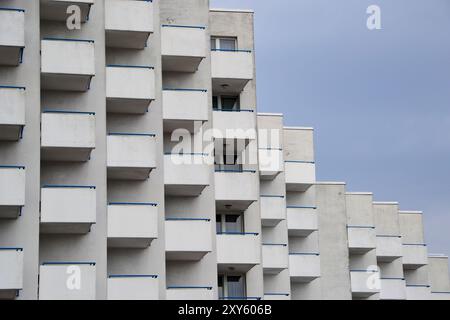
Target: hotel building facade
134,165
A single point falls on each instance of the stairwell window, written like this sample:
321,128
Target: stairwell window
224,43
231,286
226,103
230,223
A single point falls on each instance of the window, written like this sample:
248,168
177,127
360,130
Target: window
232,286
225,160
223,43
227,103
231,223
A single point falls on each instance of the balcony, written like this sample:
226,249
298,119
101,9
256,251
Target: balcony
304,267
231,70
188,239
389,248
300,175
440,296
68,209
128,24
273,210
393,289
67,135
57,10
131,156
183,107
11,272
235,125
240,251
414,256
270,163
182,47
133,287
132,225
129,89
235,190
361,239
418,292
365,283
183,293
67,64
186,174
275,258
12,191
301,220
57,281
277,296
12,112
12,36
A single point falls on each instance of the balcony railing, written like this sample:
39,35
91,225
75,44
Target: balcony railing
241,251
67,64
235,189
133,287
365,283
414,256
393,289
67,135
302,220
131,156
68,209
300,175
57,10
128,24
11,272
188,239
418,292
231,70
129,89
304,267
389,248
12,112
186,174
182,293
12,36
132,225
273,210
275,258
361,239
55,284
182,47
235,125
12,191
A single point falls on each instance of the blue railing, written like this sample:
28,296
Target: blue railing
300,161
114,276
69,112
418,286
235,171
271,196
232,50
129,66
304,254
360,227
10,249
188,219
182,26
240,298
415,244
366,271
132,134
238,233
302,207
387,236
188,90
50,186
133,204
63,263
12,87
69,40
275,244
12,9
277,294
190,287
234,110
12,167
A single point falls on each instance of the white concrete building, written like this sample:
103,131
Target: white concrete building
134,165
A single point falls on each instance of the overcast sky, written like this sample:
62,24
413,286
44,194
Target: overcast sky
379,100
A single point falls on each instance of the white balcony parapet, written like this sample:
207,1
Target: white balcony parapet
361,239
414,256
182,293
12,112
12,36
275,258
67,64
182,47
131,156
304,267
388,248
11,272
238,125
300,175
241,251
67,135
129,89
418,292
68,209
183,107
12,191
440,295
272,296
302,220
128,24
132,225
235,190
364,283
55,281
393,289
187,239
270,163
273,210
186,174
133,287
231,70
57,10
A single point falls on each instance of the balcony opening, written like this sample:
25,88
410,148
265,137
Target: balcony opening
231,286
229,223
224,43
226,103
228,159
